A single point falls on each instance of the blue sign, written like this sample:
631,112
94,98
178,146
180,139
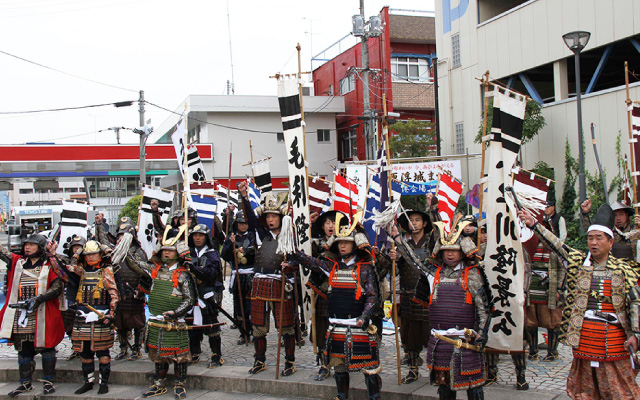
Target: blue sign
413,188
36,212
449,15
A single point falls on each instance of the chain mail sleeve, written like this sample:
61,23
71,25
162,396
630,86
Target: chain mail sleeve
110,284
187,287
314,264
410,257
369,283
137,263
6,256
54,291
553,242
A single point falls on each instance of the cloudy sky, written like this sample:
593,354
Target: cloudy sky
169,49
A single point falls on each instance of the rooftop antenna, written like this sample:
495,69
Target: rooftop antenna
233,89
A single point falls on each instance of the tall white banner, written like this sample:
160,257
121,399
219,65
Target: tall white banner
503,261
73,222
289,99
146,231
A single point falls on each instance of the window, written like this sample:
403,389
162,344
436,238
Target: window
71,190
410,69
460,138
349,144
194,135
26,191
330,90
455,50
280,137
324,136
347,84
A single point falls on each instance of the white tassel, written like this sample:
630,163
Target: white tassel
120,251
286,242
530,202
382,220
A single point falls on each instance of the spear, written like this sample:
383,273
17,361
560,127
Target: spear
595,151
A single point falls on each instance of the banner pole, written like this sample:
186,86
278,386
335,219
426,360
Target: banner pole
631,144
485,82
185,175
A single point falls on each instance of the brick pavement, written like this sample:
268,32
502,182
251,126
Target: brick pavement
543,376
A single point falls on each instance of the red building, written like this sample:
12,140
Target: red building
400,64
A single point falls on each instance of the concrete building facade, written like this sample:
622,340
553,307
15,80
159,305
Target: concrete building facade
520,43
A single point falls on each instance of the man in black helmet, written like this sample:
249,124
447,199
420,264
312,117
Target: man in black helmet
130,314
243,242
207,271
35,284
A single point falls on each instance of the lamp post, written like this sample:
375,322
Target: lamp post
576,41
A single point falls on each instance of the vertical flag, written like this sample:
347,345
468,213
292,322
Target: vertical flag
73,222
373,203
504,261
319,192
448,193
205,207
290,110
262,176
195,169
536,189
221,194
345,195
177,137
146,231
254,195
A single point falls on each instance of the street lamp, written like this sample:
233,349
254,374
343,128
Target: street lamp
576,41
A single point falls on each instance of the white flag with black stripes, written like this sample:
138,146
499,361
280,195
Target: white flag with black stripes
262,176
73,222
146,231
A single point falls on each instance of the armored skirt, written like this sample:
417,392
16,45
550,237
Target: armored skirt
99,334
166,345
352,346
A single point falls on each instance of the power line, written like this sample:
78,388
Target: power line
66,73
118,104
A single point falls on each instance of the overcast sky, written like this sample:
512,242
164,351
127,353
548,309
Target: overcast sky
169,49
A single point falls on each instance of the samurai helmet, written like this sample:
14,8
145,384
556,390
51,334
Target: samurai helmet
75,241
273,205
204,230
454,240
348,233
91,247
170,241
37,239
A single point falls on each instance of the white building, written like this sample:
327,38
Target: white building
520,43
229,123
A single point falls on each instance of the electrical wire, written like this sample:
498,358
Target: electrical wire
66,73
64,137
63,109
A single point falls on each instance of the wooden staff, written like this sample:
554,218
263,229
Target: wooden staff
631,144
239,287
485,82
185,176
280,327
224,271
393,245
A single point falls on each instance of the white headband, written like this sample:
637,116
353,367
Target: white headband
601,228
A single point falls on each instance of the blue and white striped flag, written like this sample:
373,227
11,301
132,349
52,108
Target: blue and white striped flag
373,202
254,195
205,206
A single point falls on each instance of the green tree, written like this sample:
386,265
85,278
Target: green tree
568,204
533,121
131,209
413,138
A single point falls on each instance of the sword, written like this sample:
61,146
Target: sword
235,321
172,326
458,343
98,312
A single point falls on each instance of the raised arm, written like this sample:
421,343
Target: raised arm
321,265
552,241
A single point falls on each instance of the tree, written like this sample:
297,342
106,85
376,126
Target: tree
131,209
533,121
568,205
413,138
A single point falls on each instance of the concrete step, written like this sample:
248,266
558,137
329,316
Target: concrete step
129,378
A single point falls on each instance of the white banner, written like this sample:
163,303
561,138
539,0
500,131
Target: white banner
289,99
146,231
73,222
503,261
177,137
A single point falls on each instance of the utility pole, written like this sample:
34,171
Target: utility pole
365,87
143,140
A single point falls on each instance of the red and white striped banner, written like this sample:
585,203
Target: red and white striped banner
345,193
319,192
448,193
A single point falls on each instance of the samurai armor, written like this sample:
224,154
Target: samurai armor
260,311
99,334
351,345
28,288
165,345
93,292
267,260
423,291
465,368
601,341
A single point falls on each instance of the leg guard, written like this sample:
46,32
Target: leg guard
445,393
49,370
554,337
492,367
216,351
136,352
532,338
475,393
342,384
374,385
26,366
179,390
520,362
260,345
180,370
123,337
195,341
290,347
88,370
105,370
158,389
